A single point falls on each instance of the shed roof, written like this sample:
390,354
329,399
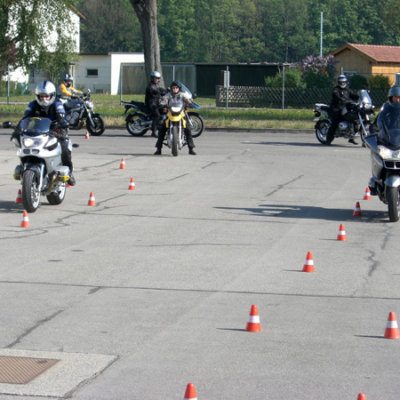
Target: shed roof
373,52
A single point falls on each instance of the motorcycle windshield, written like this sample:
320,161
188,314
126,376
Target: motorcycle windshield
365,98
36,126
389,124
184,89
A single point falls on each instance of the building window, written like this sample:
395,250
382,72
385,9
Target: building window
92,72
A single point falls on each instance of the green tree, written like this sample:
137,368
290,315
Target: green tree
109,26
27,29
379,81
357,82
293,79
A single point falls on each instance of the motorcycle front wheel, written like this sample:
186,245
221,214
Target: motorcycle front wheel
392,197
321,131
57,197
198,122
175,140
99,125
133,125
30,191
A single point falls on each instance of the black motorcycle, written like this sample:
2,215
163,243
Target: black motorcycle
139,118
355,119
81,110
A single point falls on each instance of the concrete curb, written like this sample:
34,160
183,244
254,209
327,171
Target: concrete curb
270,130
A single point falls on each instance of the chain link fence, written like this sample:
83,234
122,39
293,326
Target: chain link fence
262,97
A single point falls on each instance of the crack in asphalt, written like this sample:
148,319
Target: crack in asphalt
283,185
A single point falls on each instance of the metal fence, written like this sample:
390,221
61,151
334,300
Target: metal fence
262,97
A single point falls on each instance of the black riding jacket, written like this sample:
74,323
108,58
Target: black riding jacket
341,96
154,92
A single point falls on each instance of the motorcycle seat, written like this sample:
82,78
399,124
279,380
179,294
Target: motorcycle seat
141,106
326,108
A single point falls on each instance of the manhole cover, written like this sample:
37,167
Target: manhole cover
21,370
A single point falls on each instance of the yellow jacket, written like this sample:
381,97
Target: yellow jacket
67,92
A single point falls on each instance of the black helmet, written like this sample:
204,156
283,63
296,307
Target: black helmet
176,83
394,91
342,81
155,74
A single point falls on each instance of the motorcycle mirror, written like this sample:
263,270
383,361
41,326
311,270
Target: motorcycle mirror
88,91
194,95
7,124
75,145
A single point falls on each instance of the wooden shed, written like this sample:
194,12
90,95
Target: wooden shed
368,59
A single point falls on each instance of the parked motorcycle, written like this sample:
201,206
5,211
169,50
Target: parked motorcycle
355,119
385,157
40,170
139,118
81,110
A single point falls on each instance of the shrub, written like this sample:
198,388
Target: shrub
379,82
357,82
292,79
319,72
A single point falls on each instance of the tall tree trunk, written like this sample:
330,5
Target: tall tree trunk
146,11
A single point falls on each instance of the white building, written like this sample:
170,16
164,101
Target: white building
101,73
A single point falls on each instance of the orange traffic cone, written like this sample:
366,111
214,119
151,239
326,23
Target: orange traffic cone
253,325
87,135
392,329
342,233
122,165
190,393
68,185
309,264
357,210
18,200
132,185
361,396
367,195
92,201
25,220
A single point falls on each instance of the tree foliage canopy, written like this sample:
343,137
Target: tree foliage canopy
242,30
27,29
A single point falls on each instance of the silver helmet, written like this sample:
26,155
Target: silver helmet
68,77
45,88
155,74
342,81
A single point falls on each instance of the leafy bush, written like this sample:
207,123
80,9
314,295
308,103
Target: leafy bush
16,88
357,82
379,82
319,72
292,79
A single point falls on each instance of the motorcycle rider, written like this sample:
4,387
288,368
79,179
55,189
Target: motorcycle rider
341,95
154,92
175,92
65,90
47,106
377,125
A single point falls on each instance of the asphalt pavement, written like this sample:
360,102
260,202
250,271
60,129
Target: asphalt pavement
151,289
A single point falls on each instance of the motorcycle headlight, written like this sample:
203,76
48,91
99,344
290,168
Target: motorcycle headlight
29,142
367,106
52,143
386,153
89,104
176,109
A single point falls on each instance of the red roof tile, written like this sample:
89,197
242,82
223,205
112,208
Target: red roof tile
379,53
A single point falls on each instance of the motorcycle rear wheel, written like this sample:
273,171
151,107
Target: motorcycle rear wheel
99,125
30,191
175,140
198,121
392,197
133,124
57,197
321,131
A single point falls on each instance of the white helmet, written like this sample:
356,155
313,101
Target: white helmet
47,88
